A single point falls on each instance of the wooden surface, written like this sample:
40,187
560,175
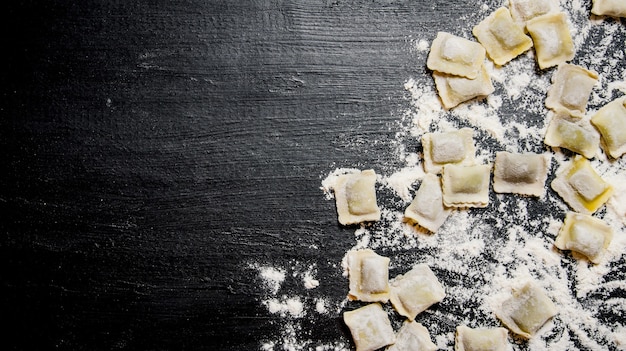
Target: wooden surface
155,150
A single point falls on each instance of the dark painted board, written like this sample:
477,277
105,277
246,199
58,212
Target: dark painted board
153,149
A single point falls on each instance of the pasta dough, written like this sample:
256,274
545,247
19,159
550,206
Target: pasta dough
584,234
581,187
480,339
415,291
524,10
523,174
570,90
456,56
527,310
577,135
370,327
355,196
552,39
454,90
502,37
411,337
615,8
427,208
466,186
448,147
611,122
369,276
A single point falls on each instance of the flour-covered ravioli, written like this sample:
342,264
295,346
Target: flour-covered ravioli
584,234
427,208
570,90
552,39
456,56
503,39
480,339
455,147
415,291
611,122
581,187
413,337
355,195
524,10
454,90
523,174
466,186
527,310
574,134
368,273
615,8
370,327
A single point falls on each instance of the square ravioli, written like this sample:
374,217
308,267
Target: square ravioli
480,339
577,135
412,336
454,90
527,310
503,39
524,10
584,234
523,174
570,90
581,187
370,327
552,39
355,195
610,120
415,291
466,186
616,8
456,56
427,208
368,273
455,147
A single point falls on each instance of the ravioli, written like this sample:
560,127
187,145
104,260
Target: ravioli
581,187
577,135
610,120
456,56
480,339
368,273
355,195
466,186
524,10
454,90
570,90
370,327
502,38
616,8
527,310
584,234
415,291
412,336
427,208
454,147
523,174
552,39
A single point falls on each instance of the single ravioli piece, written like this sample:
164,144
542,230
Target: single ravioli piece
584,234
466,186
527,310
577,135
454,90
355,195
456,56
523,174
610,120
552,39
413,337
455,147
427,208
581,187
570,90
615,8
524,10
480,339
370,327
503,39
415,291
369,276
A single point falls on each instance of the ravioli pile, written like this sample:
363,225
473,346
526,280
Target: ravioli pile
454,180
